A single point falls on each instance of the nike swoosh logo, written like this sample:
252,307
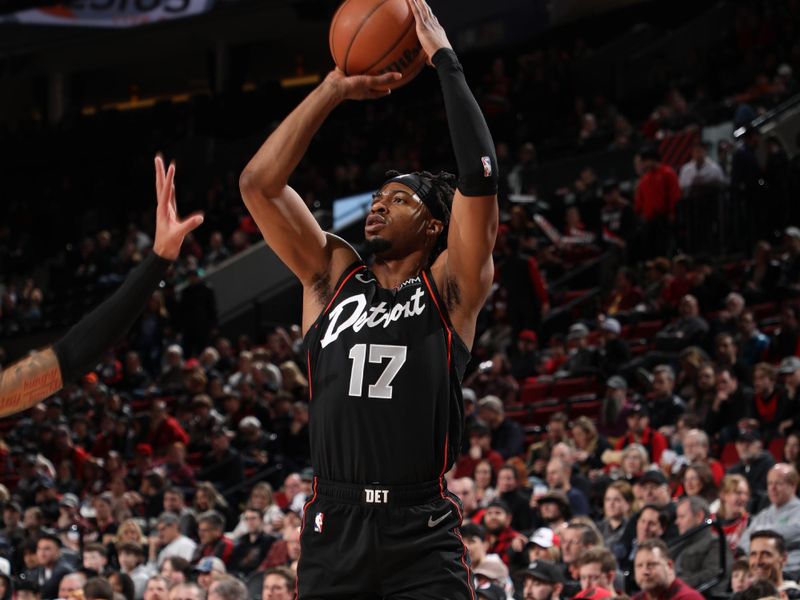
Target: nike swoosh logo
362,279
434,522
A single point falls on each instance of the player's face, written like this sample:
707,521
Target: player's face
397,220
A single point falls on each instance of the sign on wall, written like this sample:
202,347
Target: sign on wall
110,13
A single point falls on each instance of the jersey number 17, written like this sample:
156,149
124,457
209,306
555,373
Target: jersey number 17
377,354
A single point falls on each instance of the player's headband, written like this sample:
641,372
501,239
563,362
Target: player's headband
423,189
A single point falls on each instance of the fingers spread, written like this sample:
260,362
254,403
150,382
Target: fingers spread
192,222
159,162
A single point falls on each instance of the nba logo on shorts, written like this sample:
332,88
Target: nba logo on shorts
318,522
487,166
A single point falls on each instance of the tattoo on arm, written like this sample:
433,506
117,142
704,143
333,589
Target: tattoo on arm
29,381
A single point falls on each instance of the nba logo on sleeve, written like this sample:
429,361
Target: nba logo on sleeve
318,519
487,166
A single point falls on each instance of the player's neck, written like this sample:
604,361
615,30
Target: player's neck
391,273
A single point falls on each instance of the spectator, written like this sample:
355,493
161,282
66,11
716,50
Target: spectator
733,515
754,462
558,479
51,566
576,539
625,296
524,357
665,405
554,509
186,591
783,513
507,436
98,588
770,406
163,429
209,570
213,542
582,359
514,497
228,588
176,570
95,558
217,251
754,345
689,329
156,588
480,441
696,448
252,547
131,562
699,561
612,421
768,560
740,575
542,580
175,503
639,432
539,453
701,173
223,466
655,574
484,480
169,541
617,508
614,351
657,195
497,521
730,404
465,489
617,218
597,568
279,584
789,370
786,341
71,583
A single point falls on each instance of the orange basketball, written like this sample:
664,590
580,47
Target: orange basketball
375,37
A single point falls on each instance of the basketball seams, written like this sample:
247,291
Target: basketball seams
394,45
358,30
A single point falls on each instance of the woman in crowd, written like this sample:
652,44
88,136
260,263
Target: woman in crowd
791,449
208,498
484,484
699,481
262,499
589,445
734,497
617,507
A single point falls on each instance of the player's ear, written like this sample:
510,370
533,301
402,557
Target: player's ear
435,226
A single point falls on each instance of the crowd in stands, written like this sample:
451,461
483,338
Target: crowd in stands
602,432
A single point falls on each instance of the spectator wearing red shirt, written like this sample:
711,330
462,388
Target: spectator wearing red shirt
657,194
480,448
639,431
655,574
65,449
210,530
164,429
496,520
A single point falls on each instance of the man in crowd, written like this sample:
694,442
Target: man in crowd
597,568
170,540
655,574
52,567
507,436
213,542
542,580
698,561
279,584
497,521
767,559
782,514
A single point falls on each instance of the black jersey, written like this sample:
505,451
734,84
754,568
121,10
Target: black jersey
385,370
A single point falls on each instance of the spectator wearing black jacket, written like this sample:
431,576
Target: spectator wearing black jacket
252,547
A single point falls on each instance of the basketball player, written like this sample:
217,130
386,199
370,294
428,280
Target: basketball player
386,344
43,373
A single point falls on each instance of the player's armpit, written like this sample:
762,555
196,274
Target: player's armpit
29,381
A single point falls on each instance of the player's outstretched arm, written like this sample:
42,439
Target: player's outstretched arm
474,215
43,373
283,218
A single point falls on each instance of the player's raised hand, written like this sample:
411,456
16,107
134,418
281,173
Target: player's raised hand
170,230
362,87
430,33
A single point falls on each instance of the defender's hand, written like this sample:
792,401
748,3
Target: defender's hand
430,33
170,230
361,87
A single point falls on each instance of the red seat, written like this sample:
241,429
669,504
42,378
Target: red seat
729,456
776,448
533,391
541,414
647,329
563,388
762,311
585,406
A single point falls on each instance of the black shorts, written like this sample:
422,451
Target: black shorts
383,542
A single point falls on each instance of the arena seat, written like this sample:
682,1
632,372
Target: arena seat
533,391
729,457
564,388
584,405
776,448
648,329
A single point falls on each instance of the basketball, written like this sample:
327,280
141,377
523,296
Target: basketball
375,37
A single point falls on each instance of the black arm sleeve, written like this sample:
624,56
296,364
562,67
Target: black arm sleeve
83,345
472,142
